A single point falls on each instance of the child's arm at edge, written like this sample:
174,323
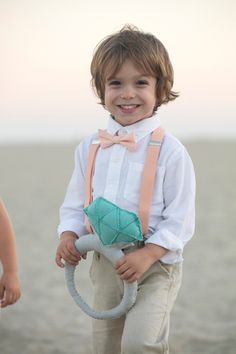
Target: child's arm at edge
9,282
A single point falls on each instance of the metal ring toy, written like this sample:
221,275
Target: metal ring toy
91,242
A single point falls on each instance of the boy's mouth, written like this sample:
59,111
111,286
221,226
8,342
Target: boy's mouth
128,107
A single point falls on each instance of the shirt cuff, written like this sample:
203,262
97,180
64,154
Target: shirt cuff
72,225
166,239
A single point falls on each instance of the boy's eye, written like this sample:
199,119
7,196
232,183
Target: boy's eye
142,82
114,83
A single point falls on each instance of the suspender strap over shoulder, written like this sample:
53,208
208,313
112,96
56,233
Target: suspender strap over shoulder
149,176
89,178
147,182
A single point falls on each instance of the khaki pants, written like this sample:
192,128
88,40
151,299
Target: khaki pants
145,328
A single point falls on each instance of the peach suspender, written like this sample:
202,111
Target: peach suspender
147,182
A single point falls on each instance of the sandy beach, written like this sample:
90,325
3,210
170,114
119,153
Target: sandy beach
33,180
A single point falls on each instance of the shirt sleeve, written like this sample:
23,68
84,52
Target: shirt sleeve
178,217
72,217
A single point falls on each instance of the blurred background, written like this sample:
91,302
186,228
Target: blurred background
47,106
46,48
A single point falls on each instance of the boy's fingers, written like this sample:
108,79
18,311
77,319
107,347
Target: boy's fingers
2,303
131,279
72,262
9,300
71,257
59,262
122,269
72,249
6,299
119,263
1,291
125,274
2,300
67,253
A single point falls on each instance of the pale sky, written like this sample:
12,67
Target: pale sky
46,48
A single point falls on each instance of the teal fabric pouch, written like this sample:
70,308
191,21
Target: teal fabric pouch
113,225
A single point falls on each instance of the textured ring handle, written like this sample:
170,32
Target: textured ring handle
91,242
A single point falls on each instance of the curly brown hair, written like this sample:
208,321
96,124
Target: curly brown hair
144,50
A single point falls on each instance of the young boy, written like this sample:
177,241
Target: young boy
132,75
9,282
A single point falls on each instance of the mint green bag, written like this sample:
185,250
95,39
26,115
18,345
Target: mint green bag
113,225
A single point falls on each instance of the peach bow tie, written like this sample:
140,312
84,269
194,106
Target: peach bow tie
107,140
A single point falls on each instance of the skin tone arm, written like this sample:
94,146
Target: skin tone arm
9,282
66,251
133,265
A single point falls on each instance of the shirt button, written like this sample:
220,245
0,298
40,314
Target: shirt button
122,132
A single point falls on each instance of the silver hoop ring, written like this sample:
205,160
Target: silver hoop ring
91,242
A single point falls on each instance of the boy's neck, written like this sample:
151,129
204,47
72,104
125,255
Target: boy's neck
141,120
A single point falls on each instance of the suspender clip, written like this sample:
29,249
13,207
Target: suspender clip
95,142
155,142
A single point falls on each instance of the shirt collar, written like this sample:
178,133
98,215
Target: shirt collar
141,128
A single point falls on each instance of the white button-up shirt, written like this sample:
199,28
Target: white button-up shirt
117,177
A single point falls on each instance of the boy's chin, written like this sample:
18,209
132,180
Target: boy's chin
127,122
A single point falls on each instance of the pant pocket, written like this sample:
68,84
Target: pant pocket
167,268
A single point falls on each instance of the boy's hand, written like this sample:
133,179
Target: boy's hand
9,289
67,251
133,265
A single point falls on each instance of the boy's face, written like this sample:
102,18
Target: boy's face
130,95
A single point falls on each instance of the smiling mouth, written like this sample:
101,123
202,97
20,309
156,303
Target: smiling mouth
128,107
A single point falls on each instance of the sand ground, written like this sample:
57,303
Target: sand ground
46,321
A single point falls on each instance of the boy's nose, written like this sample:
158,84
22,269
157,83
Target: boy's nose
127,92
